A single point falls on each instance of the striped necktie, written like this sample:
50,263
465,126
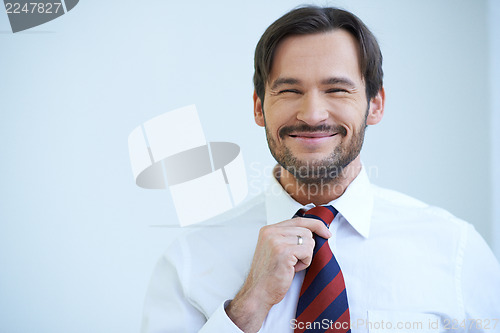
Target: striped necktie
322,303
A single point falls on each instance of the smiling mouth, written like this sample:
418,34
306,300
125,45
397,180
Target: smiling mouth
314,135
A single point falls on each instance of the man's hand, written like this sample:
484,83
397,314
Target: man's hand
276,260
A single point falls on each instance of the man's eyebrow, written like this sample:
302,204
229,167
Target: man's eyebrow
339,80
331,80
283,80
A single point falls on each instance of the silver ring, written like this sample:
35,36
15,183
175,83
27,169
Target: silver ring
299,240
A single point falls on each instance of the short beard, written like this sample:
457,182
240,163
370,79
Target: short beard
324,171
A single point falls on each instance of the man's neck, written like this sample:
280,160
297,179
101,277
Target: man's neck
318,194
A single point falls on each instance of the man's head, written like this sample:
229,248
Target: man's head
312,20
318,83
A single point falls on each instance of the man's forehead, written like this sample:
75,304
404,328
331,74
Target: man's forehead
333,54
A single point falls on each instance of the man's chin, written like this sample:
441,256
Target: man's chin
314,174
312,158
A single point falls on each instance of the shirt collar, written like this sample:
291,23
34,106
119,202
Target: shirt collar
355,205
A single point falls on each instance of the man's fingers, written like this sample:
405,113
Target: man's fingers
301,266
304,254
300,236
293,241
316,226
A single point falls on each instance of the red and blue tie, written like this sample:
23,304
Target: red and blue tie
323,303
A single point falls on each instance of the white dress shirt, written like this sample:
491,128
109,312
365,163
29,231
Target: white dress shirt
408,267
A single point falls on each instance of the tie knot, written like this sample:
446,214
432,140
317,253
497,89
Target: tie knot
323,213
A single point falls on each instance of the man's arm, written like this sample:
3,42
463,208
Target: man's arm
480,283
276,260
168,308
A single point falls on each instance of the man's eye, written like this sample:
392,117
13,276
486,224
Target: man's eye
336,90
293,91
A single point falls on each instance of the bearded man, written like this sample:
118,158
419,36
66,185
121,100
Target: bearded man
323,250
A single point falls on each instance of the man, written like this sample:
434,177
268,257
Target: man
404,266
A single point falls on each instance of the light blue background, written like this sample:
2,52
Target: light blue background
77,237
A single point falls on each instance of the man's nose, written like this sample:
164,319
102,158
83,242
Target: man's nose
313,109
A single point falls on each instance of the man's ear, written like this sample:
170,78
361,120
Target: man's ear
376,111
258,112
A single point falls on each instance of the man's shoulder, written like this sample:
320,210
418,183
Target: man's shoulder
396,198
230,228
402,207
251,211
210,260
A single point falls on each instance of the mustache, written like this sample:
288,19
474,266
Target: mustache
287,130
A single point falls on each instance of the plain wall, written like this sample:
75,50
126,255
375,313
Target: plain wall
494,36
78,239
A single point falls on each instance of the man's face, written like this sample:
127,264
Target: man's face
315,108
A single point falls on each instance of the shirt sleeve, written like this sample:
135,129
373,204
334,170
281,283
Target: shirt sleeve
168,309
220,322
480,283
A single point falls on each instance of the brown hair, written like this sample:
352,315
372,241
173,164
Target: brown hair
311,20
